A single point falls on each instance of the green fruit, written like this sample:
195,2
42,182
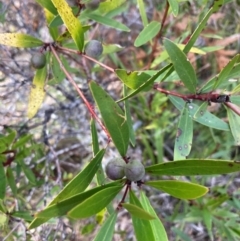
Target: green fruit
115,169
134,170
92,4
94,48
38,60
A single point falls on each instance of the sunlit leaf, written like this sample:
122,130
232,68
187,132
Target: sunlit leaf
156,224
110,5
194,167
25,215
37,92
179,189
183,141
19,40
106,231
88,207
137,211
113,116
182,65
72,23
174,6
142,10
133,79
148,33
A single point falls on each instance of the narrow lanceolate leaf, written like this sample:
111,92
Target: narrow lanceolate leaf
77,185
174,6
142,11
148,33
109,5
234,121
37,92
182,65
137,211
19,40
133,79
206,118
183,141
11,181
179,189
95,203
113,116
71,22
48,5
223,75
194,167
61,208
107,230
3,182
156,224
142,228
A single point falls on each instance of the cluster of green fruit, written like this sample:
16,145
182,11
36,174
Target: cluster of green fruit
118,168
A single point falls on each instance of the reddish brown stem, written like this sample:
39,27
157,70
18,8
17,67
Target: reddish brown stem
128,186
88,105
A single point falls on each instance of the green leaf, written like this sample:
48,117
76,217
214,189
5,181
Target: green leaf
22,141
234,122
148,83
142,227
11,181
81,181
106,231
113,117
182,65
26,215
48,5
110,5
156,224
62,207
137,211
148,33
57,71
174,6
179,189
133,79
108,22
207,219
77,185
28,172
143,13
95,144
19,40
37,92
88,207
72,23
183,141
193,167
3,182
207,119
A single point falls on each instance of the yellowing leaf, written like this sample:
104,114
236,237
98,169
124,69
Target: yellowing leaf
73,24
37,92
19,40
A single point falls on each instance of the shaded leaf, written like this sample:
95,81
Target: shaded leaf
3,182
37,92
11,181
148,33
110,5
183,141
142,10
194,167
88,207
133,79
174,6
48,5
137,211
156,224
26,215
106,231
19,40
179,189
234,122
72,23
182,65
113,116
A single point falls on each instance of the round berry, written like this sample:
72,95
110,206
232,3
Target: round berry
115,169
38,60
94,48
134,170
